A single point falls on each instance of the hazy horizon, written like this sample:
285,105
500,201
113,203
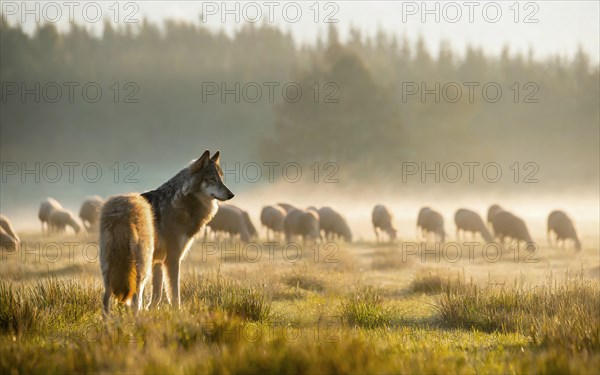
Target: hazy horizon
561,27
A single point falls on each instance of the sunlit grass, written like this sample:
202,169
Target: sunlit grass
306,318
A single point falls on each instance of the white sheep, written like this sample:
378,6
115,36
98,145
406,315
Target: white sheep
48,206
59,219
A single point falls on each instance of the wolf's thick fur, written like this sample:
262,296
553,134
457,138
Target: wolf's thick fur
181,206
126,248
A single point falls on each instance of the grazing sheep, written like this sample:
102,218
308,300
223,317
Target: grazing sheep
334,223
271,217
8,236
287,207
301,223
8,228
383,219
506,224
470,221
89,213
493,210
430,221
8,241
46,208
60,219
230,219
562,226
251,227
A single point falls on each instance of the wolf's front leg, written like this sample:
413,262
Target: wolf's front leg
172,265
157,284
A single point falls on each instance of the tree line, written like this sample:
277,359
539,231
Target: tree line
158,94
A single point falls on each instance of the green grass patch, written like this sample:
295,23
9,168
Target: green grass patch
561,313
435,281
217,292
304,280
365,308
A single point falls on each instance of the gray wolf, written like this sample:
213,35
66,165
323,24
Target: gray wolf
470,221
562,226
126,249
383,219
181,206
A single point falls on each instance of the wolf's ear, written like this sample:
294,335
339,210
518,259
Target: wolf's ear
201,162
216,157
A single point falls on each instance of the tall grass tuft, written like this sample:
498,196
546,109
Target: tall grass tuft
563,313
435,281
365,308
304,280
18,314
217,292
69,299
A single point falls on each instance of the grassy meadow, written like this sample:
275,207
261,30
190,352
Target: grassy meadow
328,308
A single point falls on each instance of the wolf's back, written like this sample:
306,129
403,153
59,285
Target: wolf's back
126,241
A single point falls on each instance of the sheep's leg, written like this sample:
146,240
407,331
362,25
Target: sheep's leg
376,233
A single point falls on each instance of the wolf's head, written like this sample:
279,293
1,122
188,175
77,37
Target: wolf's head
206,178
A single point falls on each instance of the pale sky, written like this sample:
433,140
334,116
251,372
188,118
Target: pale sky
550,26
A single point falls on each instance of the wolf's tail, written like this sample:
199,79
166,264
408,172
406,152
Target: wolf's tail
121,268
126,246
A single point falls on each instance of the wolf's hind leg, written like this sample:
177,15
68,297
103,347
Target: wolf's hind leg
106,302
138,298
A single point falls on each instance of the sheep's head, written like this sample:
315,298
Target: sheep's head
75,225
